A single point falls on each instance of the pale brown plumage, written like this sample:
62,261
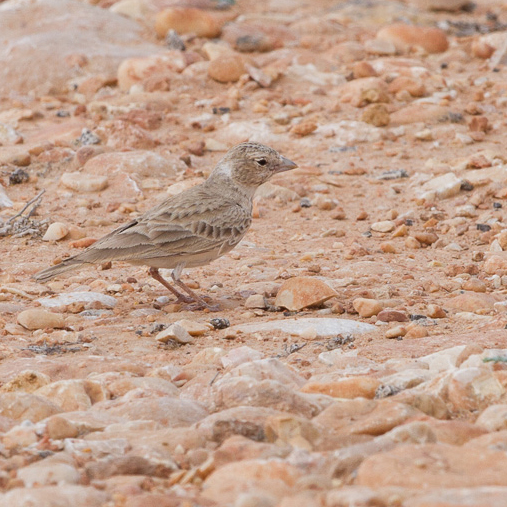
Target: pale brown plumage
192,228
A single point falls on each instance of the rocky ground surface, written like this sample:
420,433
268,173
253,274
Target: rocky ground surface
360,356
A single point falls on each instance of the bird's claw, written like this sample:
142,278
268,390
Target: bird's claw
202,305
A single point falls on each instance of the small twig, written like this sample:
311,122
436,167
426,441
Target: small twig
31,201
214,378
287,351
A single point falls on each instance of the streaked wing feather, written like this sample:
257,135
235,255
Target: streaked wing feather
175,229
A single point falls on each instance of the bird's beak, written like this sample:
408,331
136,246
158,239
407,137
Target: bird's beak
285,165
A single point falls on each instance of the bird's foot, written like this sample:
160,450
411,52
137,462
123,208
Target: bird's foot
200,306
182,299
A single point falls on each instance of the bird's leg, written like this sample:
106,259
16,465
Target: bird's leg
199,300
154,273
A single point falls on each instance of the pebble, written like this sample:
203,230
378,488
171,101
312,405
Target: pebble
367,307
412,243
240,355
439,5
416,331
226,68
481,49
496,264
388,247
27,381
36,318
82,243
435,312
175,332
364,91
433,40
396,332
403,83
56,231
363,69
474,285
441,187
400,231
81,182
304,128
376,114
248,38
493,418
349,388
426,238
390,315
135,9
194,328
384,226
187,20
424,135
479,124
302,292
8,135
255,301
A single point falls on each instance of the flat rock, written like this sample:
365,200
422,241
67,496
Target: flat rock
27,381
412,466
367,307
78,297
472,302
268,479
57,469
433,40
59,45
441,187
20,406
166,410
188,20
323,327
144,163
174,332
53,496
302,291
494,418
35,318
74,394
352,387
270,368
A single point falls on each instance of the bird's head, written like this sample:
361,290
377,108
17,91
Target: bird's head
251,164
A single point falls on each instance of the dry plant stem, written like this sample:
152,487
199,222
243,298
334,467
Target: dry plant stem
35,200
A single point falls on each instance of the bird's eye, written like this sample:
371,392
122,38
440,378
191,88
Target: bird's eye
262,161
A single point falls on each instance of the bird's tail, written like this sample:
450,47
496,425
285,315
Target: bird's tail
49,273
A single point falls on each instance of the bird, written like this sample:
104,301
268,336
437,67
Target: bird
192,228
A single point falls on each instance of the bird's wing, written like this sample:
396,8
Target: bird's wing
176,227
